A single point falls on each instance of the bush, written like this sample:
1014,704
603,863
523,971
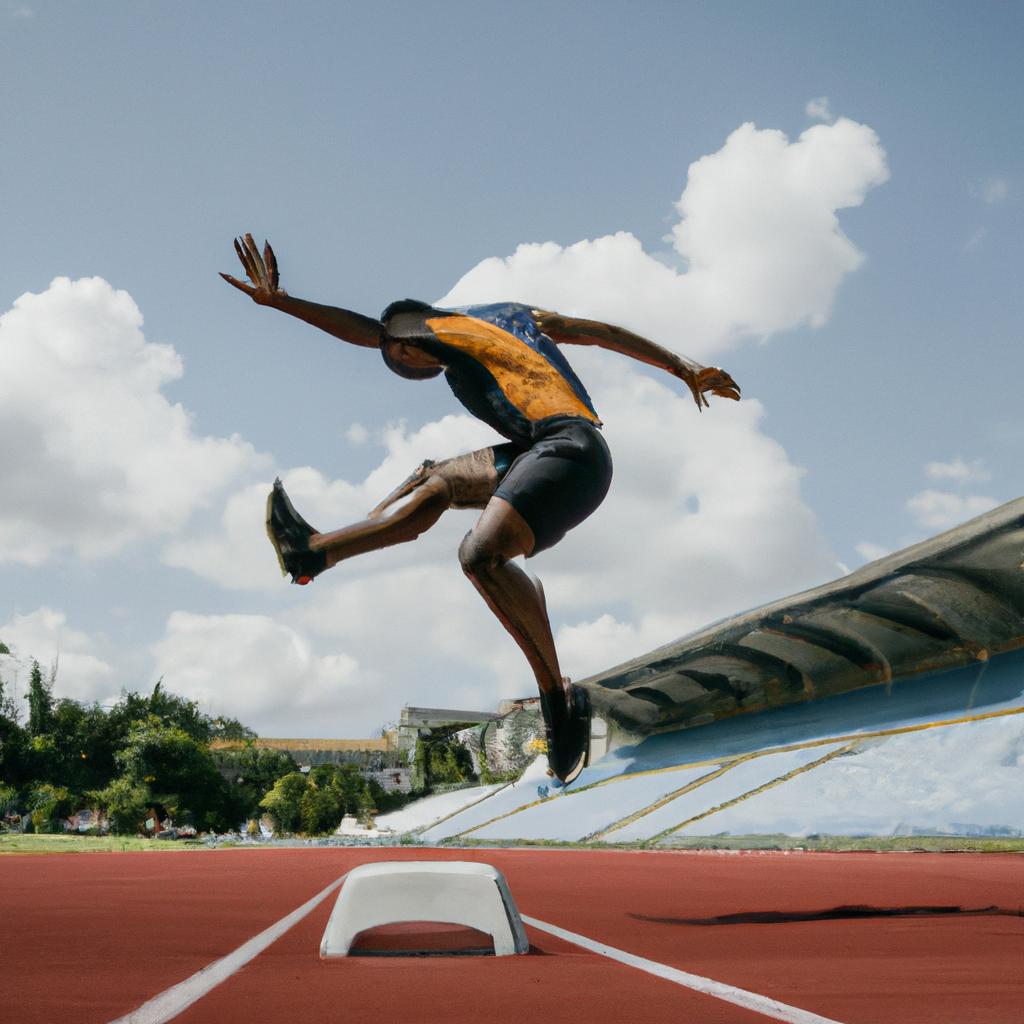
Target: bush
284,802
320,810
8,799
126,804
42,825
48,803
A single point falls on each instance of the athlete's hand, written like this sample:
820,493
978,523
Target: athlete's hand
711,379
262,272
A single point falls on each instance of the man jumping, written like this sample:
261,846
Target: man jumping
503,363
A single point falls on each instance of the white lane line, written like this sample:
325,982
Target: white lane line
740,997
172,1001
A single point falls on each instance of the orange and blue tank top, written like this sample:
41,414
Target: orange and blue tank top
497,361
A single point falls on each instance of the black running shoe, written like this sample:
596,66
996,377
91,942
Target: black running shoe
290,533
568,735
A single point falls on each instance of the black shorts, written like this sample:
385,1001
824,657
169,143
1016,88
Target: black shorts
559,480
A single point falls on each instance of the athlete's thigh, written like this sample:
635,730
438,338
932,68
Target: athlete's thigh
473,477
500,531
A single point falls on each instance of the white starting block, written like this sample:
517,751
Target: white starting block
451,892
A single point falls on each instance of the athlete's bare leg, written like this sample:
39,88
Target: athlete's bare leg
500,535
517,600
466,481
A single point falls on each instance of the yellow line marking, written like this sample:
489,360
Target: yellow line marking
731,761
660,802
771,784
451,814
804,745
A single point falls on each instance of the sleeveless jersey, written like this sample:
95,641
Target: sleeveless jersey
497,361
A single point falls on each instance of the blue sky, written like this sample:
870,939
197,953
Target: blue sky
388,150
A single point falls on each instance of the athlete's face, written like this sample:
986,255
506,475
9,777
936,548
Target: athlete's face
414,358
409,361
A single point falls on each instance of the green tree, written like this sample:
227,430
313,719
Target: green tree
250,773
222,728
320,809
49,805
352,788
284,802
447,762
84,745
14,752
40,702
126,804
179,770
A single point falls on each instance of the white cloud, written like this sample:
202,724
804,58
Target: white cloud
957,471
44,635
705,516
704,519
94,456
259,670
992,190
819,109
237,554
357,434
758,233
940,510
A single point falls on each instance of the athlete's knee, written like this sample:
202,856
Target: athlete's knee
478,555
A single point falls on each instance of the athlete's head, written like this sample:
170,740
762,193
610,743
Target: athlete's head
408,361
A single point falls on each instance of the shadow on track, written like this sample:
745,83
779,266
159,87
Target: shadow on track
853,912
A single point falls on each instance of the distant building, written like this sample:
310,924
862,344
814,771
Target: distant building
379,759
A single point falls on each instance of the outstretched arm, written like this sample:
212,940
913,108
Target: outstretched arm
264,289
567,330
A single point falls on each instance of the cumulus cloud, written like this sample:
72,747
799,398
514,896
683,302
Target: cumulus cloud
93,455
256,668
819,109
716,502
705,517
357,434
958,471
237,555
758,233
83,672
941,510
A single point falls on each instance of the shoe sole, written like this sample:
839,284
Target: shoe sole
271,535
278,500
584,759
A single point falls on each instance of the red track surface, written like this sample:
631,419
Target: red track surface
86,938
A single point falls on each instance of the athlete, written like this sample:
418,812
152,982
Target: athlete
503,363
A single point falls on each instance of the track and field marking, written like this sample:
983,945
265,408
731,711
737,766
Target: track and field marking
178,998
770,784
718,989
660,802
644,811
731,761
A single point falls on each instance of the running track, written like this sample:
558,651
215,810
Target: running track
89,937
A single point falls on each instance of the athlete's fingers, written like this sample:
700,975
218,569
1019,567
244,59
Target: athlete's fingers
271,261
252,266
240,285
255,261
243,258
